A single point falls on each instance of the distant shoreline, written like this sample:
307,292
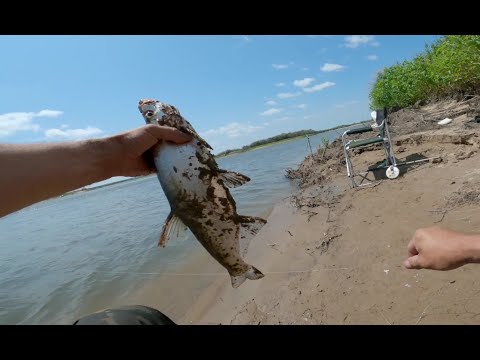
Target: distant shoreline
307,133
263,146
85,189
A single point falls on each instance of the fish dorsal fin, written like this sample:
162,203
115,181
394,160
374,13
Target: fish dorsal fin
233,179
249,227
173,229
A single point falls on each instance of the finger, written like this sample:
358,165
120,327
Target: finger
168,133
413,262
412,247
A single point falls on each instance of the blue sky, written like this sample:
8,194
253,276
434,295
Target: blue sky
233,89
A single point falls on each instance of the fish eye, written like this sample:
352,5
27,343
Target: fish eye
149,113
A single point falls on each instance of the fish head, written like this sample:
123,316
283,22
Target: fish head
158,113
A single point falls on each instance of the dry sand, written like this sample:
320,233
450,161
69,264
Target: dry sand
333,254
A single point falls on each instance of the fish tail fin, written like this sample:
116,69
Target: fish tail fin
252,273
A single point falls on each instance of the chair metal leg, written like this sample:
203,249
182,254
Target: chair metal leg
352,173
390,146
348,163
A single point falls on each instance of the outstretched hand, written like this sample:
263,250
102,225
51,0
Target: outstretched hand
441,249
36,172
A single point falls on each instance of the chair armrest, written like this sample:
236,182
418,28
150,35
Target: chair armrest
359,130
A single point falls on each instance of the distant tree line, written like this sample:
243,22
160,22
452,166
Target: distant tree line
277,138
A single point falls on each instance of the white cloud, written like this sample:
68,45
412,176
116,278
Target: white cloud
270,102
14,122
73,134
303,82
232,130
279,66
48,113
280,84
372,57
11,123
246,38
305,68
332,67
319,87
346,104
287,95
301,106
271,111
354,41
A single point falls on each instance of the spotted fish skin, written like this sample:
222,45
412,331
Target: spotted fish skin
198,193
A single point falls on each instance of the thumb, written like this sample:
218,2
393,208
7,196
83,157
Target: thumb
413,262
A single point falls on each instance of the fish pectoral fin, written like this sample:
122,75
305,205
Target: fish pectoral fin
249,227
173,228
233,179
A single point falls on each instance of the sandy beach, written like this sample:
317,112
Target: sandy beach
333,254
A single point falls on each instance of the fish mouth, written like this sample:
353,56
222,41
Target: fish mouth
146,101
143,104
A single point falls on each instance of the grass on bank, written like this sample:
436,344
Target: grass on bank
450,67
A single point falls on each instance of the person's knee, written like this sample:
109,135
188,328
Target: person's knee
126,315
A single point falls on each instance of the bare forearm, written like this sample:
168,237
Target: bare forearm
36,172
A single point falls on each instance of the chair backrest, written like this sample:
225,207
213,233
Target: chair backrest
381,116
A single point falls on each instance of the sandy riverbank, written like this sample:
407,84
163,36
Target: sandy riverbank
333,255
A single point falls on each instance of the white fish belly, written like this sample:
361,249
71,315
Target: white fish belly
201,202
178,169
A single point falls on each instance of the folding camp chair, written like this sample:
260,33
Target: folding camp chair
380,125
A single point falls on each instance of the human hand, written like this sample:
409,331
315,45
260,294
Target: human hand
441,249
131,148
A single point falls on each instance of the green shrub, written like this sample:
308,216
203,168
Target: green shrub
449,67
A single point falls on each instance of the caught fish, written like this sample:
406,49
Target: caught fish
199,197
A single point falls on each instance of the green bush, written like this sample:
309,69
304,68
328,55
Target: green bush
449,67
